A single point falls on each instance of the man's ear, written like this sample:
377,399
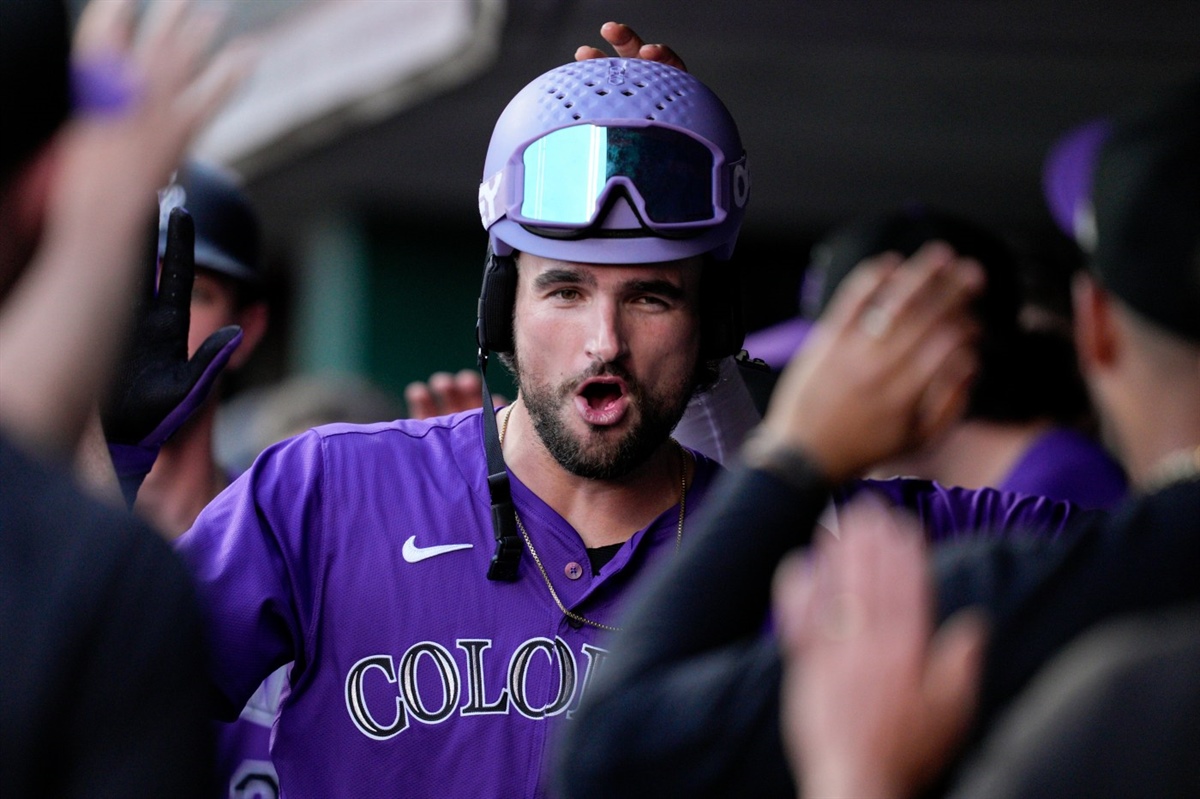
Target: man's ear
253,320
1096,335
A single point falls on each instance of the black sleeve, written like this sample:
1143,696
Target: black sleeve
1041,595
141,722
104,688
687,701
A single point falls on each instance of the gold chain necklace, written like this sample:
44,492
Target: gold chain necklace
570,614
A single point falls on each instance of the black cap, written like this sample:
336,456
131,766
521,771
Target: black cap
1146,199
227,228
905,231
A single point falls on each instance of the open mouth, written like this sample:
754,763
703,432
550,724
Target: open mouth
602,401
601,395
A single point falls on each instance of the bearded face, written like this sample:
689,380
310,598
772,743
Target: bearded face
607,358
603,453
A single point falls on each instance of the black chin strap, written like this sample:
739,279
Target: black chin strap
504,520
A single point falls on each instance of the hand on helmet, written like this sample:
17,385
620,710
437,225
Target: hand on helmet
628,44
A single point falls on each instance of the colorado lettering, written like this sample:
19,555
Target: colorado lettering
440,692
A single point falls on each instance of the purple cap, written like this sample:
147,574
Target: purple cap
777,344
1067,174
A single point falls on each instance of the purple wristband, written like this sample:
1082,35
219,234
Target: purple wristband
101,85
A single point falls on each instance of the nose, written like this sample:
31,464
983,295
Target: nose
606,339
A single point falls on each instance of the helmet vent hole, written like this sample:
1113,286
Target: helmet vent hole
602,92
627,92
641,84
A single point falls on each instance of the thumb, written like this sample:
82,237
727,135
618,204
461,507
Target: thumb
202,372
212,356
952,677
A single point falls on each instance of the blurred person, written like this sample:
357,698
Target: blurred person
103,646
1022,429
1026,428
689,699
228,292
875,701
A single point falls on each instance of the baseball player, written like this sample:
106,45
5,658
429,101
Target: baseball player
228,290
437,632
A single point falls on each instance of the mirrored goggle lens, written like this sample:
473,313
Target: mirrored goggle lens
568,170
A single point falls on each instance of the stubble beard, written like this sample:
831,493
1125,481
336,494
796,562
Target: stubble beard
603,454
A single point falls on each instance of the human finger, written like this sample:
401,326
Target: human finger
860,291
946,397
628,44
624,39
951,689
662,54
586,52
178,266
792,591
104,27
878,567
420,401
934,284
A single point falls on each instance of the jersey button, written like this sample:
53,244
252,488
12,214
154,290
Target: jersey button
574,624
573,571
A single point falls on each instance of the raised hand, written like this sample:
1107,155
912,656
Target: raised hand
447,393
157,387
888,366
873,700
143,91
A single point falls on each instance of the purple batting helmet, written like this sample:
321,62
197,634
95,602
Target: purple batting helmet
615,160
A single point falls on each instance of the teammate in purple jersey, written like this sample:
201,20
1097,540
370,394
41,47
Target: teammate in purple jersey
445,587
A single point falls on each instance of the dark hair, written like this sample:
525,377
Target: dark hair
1024,375
34,56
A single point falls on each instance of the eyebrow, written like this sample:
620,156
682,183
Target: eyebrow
659,286
664,288
552,277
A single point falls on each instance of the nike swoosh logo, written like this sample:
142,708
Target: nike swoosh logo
415,554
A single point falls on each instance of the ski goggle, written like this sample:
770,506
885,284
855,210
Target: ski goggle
674,181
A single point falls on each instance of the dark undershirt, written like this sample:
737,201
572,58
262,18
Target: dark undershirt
598,556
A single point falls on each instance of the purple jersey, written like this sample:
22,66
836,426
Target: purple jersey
947,512
1065,464
359,553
